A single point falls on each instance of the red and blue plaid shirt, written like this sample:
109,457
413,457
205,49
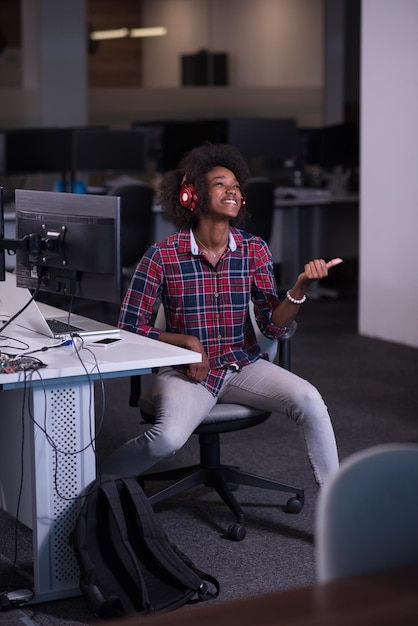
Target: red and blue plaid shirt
208,302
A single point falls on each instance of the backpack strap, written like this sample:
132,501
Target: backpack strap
110,491
168,555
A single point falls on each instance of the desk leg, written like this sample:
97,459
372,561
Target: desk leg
62,468
56,469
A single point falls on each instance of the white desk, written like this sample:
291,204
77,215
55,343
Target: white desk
62,400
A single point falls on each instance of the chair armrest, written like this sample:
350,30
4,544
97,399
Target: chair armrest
283,358
289,332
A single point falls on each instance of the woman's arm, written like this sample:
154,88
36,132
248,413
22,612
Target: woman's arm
195,371
287,310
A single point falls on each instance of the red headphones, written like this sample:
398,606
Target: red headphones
188,196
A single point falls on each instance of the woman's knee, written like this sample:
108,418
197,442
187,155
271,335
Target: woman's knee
310,403
168,439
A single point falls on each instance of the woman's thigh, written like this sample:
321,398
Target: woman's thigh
266,386
181,404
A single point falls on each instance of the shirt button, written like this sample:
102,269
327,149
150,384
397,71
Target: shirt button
219,336
216,294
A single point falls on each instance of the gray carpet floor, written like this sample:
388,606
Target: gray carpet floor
370,387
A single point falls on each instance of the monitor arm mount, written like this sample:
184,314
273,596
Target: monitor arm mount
39,248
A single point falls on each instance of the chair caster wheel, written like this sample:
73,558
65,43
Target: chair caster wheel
294,505
236,532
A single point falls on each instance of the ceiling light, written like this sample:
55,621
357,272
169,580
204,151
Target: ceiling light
116,33
154,31
121,33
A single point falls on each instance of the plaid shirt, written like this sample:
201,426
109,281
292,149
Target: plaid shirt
208,302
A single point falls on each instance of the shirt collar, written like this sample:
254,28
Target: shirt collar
195,248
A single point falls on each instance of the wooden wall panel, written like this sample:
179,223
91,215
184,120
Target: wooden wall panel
115,63
9,24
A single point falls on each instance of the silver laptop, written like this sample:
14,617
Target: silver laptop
15,298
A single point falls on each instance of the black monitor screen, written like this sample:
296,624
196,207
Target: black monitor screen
74,244
119,150
266,139
38,150
339,145
44,150
263,138
178,138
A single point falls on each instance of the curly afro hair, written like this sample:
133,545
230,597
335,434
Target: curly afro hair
193,169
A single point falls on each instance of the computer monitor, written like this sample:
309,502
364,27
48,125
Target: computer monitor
182,136
329,146
263,138
169,140
38,150
339,145
98,149
70,150
72,244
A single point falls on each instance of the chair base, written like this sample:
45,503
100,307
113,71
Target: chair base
223,478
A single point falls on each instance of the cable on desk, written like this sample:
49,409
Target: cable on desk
67,342
33,296
31,365
16,340
93,436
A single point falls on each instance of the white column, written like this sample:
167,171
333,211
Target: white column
334,62
388,177
55,59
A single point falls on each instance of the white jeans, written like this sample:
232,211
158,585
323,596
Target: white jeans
181,404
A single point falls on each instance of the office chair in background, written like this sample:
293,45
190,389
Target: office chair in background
137,224
259,192
223,418
367,514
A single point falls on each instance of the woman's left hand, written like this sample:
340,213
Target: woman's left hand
317,269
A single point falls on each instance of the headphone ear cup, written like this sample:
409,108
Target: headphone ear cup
187,196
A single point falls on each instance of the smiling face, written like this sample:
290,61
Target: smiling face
225,196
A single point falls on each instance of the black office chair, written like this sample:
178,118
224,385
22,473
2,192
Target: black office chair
137,224
223,418
259,192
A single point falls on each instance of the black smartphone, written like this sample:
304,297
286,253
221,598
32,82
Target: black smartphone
106,342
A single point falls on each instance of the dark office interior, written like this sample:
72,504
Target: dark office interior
314,172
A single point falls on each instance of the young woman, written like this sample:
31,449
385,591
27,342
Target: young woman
205,276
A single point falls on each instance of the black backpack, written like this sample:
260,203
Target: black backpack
127,563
